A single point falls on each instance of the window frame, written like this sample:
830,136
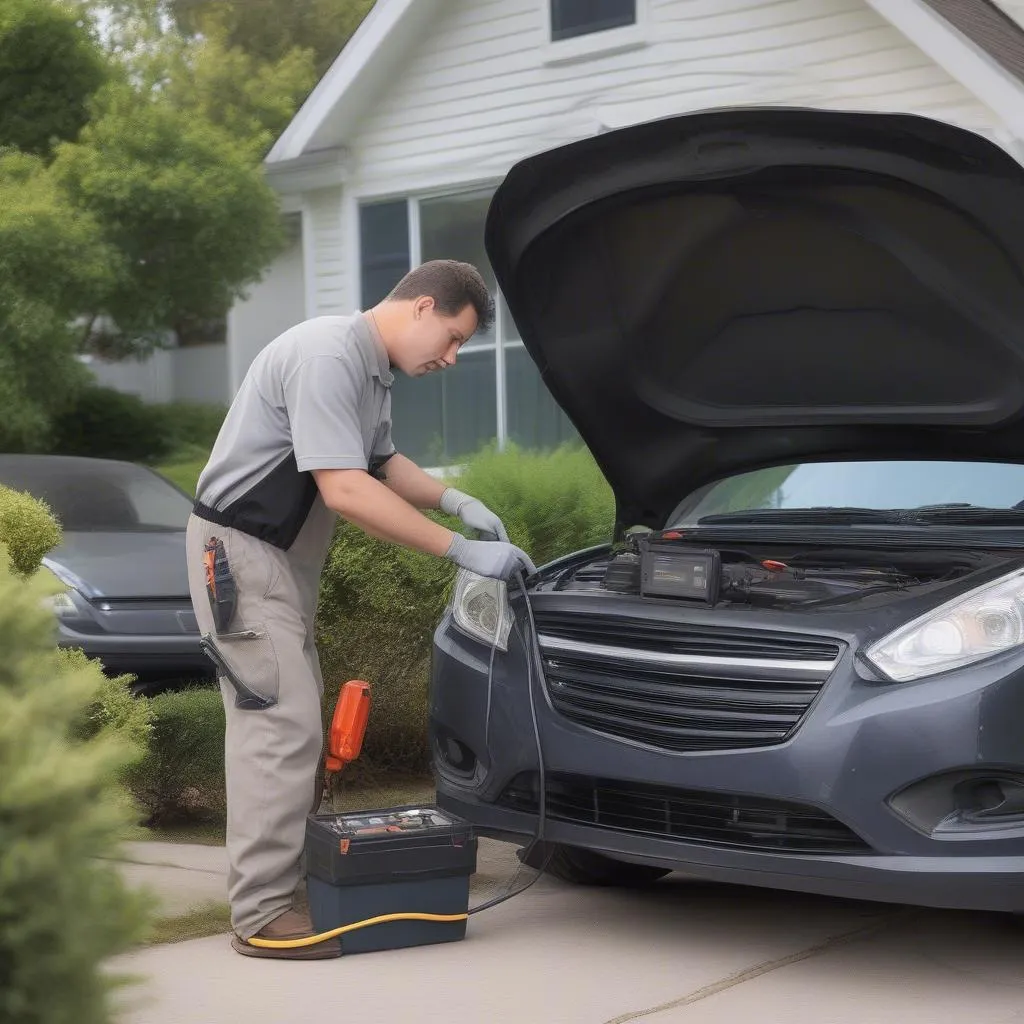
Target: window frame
603,42
414,198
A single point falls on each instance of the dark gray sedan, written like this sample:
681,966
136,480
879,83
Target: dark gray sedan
123,560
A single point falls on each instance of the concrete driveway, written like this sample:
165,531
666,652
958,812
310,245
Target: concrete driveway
683,951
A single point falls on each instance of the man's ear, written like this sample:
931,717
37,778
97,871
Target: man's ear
424,304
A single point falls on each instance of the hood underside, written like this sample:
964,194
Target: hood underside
725,290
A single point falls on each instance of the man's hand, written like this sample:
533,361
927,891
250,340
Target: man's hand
495,559
475,514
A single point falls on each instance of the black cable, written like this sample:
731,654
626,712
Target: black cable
533,658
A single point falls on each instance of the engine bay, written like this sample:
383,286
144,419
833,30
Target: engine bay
667,566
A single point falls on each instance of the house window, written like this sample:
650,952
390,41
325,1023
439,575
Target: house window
383,248
494,392
572,18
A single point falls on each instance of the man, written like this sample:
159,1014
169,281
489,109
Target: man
308,438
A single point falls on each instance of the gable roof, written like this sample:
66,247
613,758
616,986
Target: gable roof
974,41
384,31
989,27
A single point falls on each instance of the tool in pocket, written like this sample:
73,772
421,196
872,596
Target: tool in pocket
220,584
245,697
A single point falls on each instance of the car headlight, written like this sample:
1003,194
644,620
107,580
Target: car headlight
985,622
61,605
480,609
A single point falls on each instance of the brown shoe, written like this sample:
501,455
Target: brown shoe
292,924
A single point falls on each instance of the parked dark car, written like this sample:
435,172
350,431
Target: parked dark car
794,342
123,560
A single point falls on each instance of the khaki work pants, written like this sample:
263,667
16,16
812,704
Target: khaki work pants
274,731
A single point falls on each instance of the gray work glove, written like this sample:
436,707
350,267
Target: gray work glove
493,558
475,514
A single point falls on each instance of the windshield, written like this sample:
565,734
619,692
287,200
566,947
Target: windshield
858,485
99,497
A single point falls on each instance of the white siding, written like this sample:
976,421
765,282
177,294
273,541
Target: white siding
325,246
475,94
270,307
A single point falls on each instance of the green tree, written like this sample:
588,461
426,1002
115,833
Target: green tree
50,65
270,29
53,261
182,202
64,908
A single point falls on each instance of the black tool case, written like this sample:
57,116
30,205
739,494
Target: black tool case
414,859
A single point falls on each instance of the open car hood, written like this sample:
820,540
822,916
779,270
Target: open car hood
737,288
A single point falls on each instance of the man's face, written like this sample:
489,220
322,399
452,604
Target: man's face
430,340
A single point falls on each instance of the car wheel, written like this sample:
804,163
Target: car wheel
585,867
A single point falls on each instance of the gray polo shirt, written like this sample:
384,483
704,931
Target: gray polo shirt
317,397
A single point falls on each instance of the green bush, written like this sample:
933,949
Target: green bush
108,424
113,710
191,426
64,908
380,604
181,775
28,530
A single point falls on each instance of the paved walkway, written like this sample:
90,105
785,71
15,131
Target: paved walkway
683,952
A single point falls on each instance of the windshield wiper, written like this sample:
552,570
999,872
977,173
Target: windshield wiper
974,514
950,514
809,516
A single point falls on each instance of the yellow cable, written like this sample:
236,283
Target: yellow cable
312,940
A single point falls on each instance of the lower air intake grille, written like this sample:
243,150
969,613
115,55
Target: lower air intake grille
714,819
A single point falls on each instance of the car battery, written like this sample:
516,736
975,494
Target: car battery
397,860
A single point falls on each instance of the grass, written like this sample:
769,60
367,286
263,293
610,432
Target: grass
184,473
208,919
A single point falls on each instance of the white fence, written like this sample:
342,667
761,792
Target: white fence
194,374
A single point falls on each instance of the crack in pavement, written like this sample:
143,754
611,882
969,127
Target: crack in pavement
767,967
159,864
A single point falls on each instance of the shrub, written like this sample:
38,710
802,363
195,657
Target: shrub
64,908
551,504
181,775
108,424
380,604
191,426
28,530
113,710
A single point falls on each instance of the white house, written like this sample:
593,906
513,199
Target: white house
393,157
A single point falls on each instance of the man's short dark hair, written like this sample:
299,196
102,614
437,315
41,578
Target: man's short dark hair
452,286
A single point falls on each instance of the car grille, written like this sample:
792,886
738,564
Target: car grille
678,687
716,819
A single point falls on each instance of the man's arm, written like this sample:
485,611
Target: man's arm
411,483
379,511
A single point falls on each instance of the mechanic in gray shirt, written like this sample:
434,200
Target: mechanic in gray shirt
308,438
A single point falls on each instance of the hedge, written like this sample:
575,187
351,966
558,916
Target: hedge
108,424
64,907
380,604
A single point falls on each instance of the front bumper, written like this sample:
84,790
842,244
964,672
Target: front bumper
859,745
141,654
154,638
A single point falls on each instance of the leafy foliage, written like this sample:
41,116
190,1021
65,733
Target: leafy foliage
107,424
49,67
181,774
52,261
28,530
380,603
64,908
182,202
270,29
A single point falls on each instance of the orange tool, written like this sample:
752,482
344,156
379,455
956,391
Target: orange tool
348,726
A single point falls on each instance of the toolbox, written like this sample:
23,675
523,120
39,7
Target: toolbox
397,860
